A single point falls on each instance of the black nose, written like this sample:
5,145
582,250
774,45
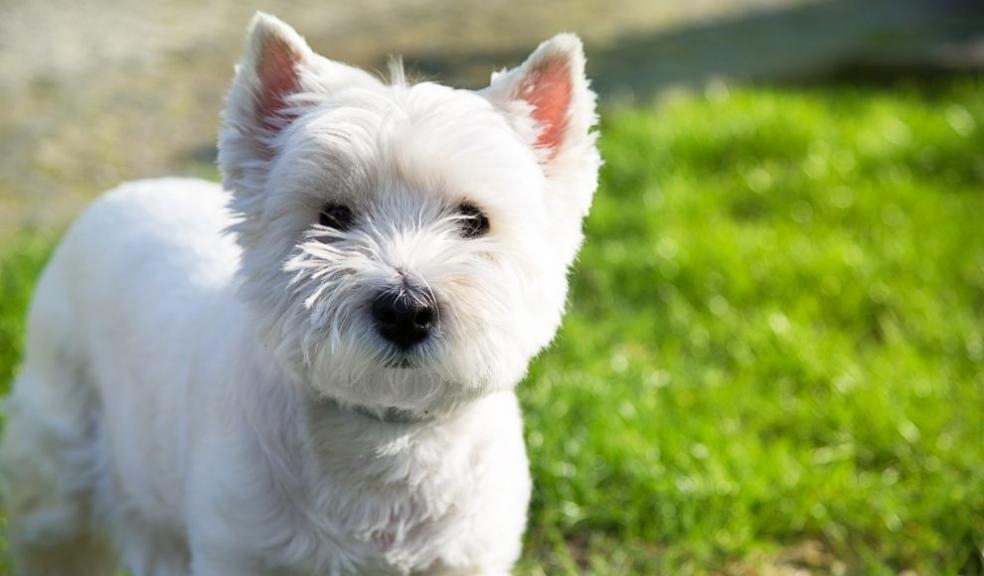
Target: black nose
404,317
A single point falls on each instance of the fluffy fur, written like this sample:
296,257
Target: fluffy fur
204,390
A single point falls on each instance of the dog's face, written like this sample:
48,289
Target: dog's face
406,245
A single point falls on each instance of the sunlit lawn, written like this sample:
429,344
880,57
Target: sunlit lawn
774,355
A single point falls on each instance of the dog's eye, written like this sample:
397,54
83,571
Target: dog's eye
474,223
337,216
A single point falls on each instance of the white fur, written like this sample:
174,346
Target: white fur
201,373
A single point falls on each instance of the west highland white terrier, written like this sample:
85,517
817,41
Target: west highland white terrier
309,369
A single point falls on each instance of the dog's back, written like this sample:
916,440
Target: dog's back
112,311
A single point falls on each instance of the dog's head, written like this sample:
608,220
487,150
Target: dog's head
406,245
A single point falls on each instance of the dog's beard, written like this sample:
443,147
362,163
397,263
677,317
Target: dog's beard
348,361
417,380
315,312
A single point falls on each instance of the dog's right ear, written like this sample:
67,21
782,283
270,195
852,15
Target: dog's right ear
258,106
277,80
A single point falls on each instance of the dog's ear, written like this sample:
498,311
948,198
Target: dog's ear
258,105
277,80
548,100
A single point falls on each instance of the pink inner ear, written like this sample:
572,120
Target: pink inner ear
278,79
548,89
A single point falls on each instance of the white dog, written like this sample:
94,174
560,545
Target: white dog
309,370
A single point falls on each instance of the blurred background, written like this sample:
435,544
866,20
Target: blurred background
774,360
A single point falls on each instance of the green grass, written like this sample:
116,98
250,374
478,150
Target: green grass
776,338
774,357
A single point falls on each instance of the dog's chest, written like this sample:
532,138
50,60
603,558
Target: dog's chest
393,505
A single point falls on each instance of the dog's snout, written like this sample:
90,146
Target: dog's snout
405,317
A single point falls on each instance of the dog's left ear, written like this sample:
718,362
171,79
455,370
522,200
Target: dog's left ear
548,100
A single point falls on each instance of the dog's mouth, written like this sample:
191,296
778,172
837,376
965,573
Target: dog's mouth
404,359
396,358
402,362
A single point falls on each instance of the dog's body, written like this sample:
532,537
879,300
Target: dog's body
287,398
214,445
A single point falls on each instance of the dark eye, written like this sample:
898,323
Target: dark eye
337,216
474,223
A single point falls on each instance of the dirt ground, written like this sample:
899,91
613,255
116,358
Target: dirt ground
103,91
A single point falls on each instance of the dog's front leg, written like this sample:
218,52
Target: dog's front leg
212,564
221,529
